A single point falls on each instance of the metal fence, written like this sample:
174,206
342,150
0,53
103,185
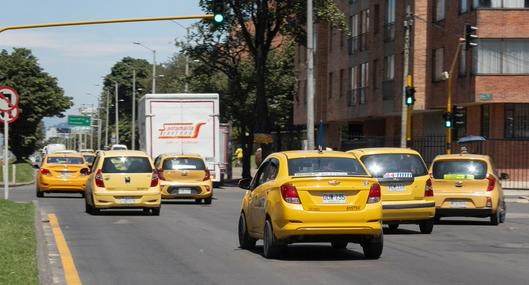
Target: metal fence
508,156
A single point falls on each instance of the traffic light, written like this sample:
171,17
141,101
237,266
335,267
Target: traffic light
470,36
459,116
447,116
410,95
218,11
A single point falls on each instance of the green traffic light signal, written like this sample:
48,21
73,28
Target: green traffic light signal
218,18
410,95
218,11
448,120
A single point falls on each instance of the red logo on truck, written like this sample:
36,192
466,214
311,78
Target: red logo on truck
180,130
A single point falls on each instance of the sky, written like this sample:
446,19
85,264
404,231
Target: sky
79,56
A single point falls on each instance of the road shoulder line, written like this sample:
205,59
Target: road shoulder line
70,271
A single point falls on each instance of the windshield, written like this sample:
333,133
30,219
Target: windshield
65,160
125,164
184,164
89,158
459,169
395,165
324,166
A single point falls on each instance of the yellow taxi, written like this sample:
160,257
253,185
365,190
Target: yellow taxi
466,185
184,176
63,173
407,193
311,196
123,180
89,158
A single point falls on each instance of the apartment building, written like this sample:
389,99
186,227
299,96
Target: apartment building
359,77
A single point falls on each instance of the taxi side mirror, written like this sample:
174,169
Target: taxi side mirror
504,176
245,183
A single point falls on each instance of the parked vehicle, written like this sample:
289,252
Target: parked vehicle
181,123
311,196
466,185
407,193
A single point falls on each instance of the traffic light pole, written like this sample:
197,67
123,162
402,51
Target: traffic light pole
406,113
449,91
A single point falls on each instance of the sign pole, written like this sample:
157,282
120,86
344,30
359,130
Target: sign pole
6,153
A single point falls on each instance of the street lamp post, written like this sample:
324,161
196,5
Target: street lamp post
153,65
133,126
117,110
186,86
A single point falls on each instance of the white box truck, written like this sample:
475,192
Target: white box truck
181,123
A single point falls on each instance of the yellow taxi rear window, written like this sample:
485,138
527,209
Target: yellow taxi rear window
64,160
459,169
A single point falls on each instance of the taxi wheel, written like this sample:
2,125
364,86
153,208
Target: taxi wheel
87,207
373,247
393,227
426,227
495,218
40,194
270,247
198,201
503,213
156,211
207,201
245,240
339,244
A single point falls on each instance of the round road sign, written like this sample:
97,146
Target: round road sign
8,99
13,116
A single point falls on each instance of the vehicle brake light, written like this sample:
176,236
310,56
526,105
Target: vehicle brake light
374,194
492,182
85,171
99,179
155,178
290,194
428,189
45,171
207,176
160,174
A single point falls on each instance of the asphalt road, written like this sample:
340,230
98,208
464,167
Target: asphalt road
197,244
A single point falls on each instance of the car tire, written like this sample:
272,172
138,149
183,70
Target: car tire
503,213
373,247
270,246
198,201
245,240
40,194
339,244
393,227
156,211
207,201
87,207
426,227
495,218
94,211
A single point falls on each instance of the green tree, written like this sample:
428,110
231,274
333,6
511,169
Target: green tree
40,96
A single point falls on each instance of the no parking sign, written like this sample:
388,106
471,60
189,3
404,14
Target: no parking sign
9,110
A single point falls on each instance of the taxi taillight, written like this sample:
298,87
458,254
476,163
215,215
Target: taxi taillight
428,188
492,183
99,179
207,175
85,171
374,194
155,178
290,194
45,171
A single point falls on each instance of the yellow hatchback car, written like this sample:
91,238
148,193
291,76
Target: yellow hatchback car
184,176
466,185
123,180
311,196
62,173
407,193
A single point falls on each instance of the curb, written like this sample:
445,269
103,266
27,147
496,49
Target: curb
43,266
19,184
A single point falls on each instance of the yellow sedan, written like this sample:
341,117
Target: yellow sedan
123,180
184,176
311,196
466,185
63,173
407,193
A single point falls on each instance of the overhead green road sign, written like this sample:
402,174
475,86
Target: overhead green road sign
79,121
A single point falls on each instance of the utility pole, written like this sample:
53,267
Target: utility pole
186,88
310,77
133,109
117,112
404,125
106,120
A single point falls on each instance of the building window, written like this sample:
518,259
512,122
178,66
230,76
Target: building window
359,83
354,86
509,56
463,63
389,67
485,120
439,13
331,83
500,4
364,80
438,64
375,74
516,121
463,6
359,30
355,33
389,21
342,71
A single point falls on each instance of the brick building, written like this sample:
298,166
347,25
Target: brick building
359,78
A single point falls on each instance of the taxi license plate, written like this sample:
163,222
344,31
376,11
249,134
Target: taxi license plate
65,174
184,191
458,204
334,198
397,188
127,201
